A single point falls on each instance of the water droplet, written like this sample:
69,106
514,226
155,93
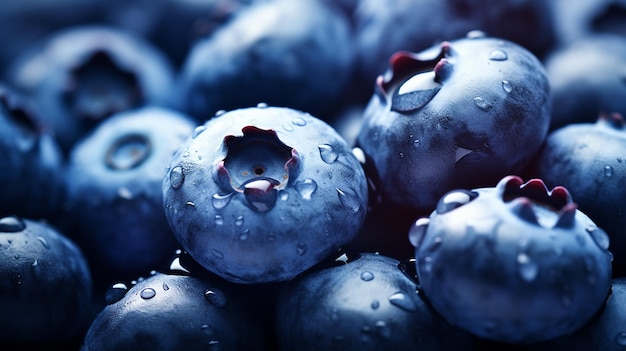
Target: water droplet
527,269
306,188
298,122
401,301
475,34
328,153
426,264
177,177
620,338
217,253
219,220
383,329
283,195
482,104
177,267
128,152
418,231
301,248
416,143
600,237
220,201
349,200
375,304
506,86
215,298
43,242
608,171
199,129
367,276
115,293
219,113
261,105
11,224
261,194
124,193
165,287
288,127
239,221
147,293
498,55
190,204
244,234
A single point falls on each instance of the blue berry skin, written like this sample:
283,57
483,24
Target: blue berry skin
462,114
587,78
261,194
114,201
45,284
81,75
515,263
295,54
588,159
30,158
174,312
365,302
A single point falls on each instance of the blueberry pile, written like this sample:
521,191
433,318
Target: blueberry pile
313,175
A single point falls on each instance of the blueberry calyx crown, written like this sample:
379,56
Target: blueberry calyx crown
257,164
418,79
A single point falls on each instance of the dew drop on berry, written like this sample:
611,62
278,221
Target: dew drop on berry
526,268
165,287
620,339
608,171
506,86
115,293
599,236
403,302
220,201
215,298
298,122
349,200
239,221
367,276
11,224
288,127
177,267
306,188
177,177
375,304
219,220
475,34
43,242
328,153
283,195
383,329
244,234
418,231
498,55
198,130
128,152
261,105
147,293
482,104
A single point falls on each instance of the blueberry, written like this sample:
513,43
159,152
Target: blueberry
514,263
114,201
459,115
45,284
170,312
588,17
285,53
260,194
81,75
31,160
588,159
587,77
361,303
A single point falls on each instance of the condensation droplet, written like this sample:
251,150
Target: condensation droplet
482,104
416,143
239,221
600,237
418,231
165,287
177,266
375,304
219,220
215,298
328,153
608,171
12,224
367,276
147,293
244,234
177,177
498,55
43,242
401,301
506,86
198,130
220,201
383,329
526,268
219,113
261,105
306,188
348,200
288,127
124,193
475,34
283,195
298,122
301,248
115,293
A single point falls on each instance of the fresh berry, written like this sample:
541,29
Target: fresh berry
589,160
81,75
361,302
169,312
515,263
114,201
261,194
45,284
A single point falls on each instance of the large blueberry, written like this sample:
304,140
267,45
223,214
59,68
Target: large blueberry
45,284
260,194
83,74
362,302
114,201
514,263
464,113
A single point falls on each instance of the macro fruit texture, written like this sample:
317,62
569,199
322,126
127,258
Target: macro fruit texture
514,263
588,159
261,194
114,203
45,284
81,75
